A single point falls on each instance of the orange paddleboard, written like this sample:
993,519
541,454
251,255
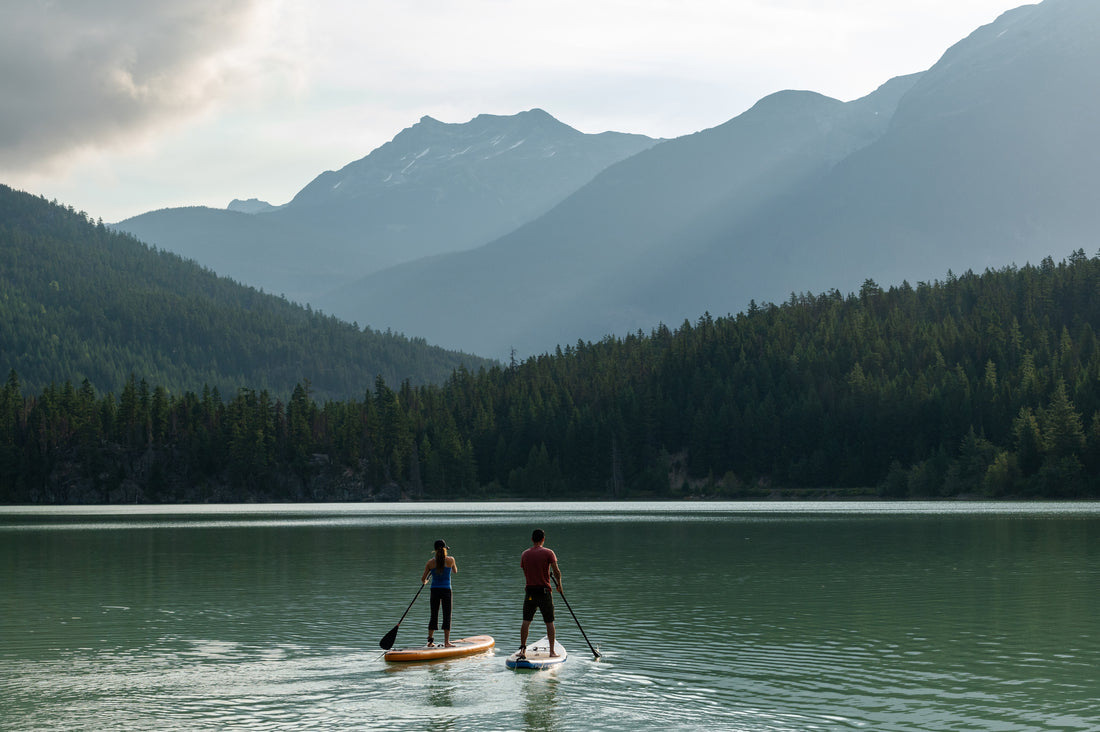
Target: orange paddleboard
463,647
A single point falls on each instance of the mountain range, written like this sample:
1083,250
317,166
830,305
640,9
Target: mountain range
434,188
986,159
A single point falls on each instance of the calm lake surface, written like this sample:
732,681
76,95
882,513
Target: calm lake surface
726,616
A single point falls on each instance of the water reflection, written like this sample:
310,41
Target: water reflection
439,690
706,619
540,700
477,513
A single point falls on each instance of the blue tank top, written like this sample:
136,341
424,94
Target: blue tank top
441,580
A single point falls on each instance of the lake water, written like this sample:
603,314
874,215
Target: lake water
728,616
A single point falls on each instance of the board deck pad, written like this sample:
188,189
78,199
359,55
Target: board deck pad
463,647
538,656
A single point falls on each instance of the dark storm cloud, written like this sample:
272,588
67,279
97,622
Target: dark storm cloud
76,74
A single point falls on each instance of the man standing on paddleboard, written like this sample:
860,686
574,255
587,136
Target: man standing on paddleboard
537,564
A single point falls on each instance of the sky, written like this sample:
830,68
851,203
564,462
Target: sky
119,107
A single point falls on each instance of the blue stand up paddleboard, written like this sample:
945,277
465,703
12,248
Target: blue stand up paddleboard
537,656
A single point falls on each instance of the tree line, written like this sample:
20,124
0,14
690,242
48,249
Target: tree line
980,385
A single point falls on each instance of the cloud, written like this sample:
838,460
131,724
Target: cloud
79,75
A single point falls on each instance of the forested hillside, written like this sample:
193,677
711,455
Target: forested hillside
979,385
78,301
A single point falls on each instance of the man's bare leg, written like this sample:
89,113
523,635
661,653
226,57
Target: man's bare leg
523,637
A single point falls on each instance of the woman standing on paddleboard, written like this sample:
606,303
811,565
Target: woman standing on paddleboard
440,568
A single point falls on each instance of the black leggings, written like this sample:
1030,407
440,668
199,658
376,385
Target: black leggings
440,596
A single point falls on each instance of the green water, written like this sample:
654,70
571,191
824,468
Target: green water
708,616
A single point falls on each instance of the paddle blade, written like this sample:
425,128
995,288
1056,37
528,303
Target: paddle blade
387,640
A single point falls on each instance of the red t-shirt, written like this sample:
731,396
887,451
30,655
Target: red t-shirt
536,563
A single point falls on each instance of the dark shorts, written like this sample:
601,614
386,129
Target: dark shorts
541,598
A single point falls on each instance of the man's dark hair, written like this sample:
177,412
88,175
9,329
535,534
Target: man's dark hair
538,535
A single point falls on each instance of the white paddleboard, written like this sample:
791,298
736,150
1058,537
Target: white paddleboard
538,656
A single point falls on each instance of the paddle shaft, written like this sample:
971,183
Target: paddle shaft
393,633
594,651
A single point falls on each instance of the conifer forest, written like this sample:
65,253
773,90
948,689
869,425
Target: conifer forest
980,385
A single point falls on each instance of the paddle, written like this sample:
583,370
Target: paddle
595,653
388,639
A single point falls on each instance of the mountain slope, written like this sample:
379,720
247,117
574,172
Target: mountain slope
568,274
79,301
986,159
990,159
434,188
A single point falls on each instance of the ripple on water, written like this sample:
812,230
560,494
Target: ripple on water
893,624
